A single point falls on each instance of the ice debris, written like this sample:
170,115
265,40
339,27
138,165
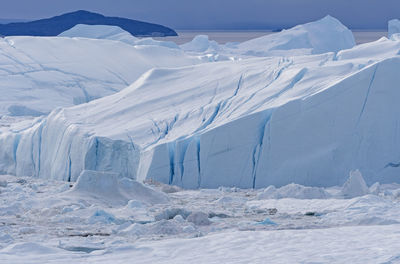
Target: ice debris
293,191
355,185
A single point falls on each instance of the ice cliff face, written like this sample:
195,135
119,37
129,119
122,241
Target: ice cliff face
306,119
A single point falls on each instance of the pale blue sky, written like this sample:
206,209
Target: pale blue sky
217,14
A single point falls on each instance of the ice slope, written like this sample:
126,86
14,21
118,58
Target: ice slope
393,27
324,35
113,33
39,74
249,123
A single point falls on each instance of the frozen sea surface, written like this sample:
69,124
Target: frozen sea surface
45,221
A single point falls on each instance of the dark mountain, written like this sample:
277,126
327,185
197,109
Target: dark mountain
55,25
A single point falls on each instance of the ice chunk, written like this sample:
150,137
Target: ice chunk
375,188
201,43
134,230
101,216
179,219
170,213
355,185
113,33
107,186
170,188
293,191
99,32
267,221
393,27
97,182
165,227
135,204
199,218
324,35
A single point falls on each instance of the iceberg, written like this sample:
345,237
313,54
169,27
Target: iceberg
306,119
393,27
113,33
324,35
99,32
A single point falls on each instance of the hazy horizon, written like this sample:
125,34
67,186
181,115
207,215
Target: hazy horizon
221,15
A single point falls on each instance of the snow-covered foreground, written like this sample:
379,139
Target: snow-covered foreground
56,222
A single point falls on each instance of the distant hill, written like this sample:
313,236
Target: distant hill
12,20
58,24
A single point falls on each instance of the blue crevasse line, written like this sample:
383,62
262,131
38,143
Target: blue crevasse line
367,95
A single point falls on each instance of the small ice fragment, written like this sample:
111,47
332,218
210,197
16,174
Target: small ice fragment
355,185
199,218
267,221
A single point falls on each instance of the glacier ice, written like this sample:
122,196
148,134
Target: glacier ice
307,117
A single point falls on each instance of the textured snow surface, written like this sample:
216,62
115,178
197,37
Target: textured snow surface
46,221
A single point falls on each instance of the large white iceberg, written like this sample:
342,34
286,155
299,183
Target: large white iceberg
249,123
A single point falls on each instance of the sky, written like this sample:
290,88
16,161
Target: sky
217,14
